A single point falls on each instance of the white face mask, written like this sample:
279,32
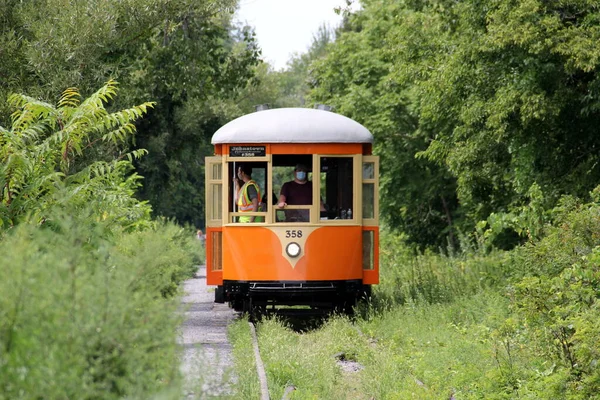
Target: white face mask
301,175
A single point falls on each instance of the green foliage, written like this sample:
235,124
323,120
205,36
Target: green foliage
555,304
172,251
408,276
294,82
183,54
546,344
507,229
511,93
83,43
359,78
471,104
84,313
39,157
195,66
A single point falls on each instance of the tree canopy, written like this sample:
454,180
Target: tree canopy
472,104
184,55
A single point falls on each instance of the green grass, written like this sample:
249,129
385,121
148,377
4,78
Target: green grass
430,351
418,351
306,361
248,386
498,325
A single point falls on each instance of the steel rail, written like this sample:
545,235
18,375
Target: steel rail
260,367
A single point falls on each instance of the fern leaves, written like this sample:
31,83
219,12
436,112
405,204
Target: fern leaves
39,151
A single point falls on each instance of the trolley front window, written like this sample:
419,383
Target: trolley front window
248,197
293,187
337,187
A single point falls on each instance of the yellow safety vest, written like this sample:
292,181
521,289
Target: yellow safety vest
245,204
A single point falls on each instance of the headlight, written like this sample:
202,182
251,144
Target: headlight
293,249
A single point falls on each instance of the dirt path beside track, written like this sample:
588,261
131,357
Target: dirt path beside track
207,356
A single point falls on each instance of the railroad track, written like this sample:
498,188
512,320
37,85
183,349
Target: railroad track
347,365
260,368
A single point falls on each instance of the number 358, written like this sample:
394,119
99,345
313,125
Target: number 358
293,234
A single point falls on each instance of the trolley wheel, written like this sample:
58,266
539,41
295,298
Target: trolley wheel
246,305
252,310
220,294
237,304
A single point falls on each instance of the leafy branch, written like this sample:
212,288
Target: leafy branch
40,148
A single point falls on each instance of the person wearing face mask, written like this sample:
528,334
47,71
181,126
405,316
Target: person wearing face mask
298,192
247,196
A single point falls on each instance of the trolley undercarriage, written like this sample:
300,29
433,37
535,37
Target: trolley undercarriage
326,295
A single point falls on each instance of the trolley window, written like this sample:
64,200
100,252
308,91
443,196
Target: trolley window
293,187
370,182
247,195
214,191
368,237
336,183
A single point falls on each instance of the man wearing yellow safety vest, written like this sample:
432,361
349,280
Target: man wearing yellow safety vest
248,196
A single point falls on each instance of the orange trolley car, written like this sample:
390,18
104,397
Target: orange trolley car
295,255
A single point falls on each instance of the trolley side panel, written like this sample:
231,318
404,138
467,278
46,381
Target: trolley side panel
371,276
214,251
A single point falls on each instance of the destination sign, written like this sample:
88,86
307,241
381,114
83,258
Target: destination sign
247,151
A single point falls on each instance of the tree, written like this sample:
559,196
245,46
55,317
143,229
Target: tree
295,81
474,102
358,78
181,54
196,73
515,100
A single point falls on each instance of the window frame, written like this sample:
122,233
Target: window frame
375,181
212,185
229,216
356,189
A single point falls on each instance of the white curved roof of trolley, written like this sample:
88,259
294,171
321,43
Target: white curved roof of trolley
292,125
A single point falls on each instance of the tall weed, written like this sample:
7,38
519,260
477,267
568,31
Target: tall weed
163,256
408,275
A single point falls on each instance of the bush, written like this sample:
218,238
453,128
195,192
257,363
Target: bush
555,304
71,156
81,317
165,256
